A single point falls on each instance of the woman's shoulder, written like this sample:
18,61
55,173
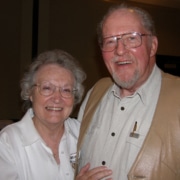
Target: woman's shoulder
72,122
10,133
73,126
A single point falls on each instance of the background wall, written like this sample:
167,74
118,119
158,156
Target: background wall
69,25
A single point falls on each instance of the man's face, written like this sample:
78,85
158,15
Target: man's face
129,67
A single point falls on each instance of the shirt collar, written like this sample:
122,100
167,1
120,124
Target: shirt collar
30,134
145,91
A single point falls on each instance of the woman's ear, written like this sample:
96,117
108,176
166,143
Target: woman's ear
31,98
31,95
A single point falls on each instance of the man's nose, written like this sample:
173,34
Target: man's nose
120,47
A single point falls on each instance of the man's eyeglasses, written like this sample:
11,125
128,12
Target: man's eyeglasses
47,89
129,40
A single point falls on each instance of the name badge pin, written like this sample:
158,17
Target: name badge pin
133,133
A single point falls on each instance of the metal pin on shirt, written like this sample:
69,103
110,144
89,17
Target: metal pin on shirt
133,134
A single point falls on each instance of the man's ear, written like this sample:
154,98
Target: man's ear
154,46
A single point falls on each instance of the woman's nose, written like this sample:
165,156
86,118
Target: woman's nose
57,95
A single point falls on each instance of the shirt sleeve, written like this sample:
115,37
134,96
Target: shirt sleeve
8,168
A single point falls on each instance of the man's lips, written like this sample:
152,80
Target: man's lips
123,62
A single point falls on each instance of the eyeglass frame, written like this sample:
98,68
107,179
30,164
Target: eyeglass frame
119,37
60,89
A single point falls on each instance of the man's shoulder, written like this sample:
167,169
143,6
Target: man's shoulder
170,87
100,88
102,85
171,80
104,81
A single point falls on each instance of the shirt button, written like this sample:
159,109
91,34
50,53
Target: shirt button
112,134
122,108
103,162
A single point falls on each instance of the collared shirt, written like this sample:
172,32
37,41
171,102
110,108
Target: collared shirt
108,141
25,156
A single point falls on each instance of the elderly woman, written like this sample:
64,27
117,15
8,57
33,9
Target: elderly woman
42,146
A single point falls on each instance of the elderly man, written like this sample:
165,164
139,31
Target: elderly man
131,121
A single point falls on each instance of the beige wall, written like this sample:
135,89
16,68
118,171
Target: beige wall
71,26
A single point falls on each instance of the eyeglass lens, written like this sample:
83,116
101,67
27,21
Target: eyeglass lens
47,88
130,40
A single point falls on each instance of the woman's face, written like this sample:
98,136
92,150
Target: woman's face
52,109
